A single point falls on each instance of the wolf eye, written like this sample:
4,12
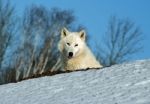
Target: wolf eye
76,45
68,44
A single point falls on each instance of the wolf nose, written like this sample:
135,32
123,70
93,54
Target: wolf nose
70,54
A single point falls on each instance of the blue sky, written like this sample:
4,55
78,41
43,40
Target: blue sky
94,15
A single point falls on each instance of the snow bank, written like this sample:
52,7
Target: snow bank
120,84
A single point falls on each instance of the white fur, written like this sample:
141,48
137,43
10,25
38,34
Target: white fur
82,56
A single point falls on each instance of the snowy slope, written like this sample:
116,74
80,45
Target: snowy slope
120,84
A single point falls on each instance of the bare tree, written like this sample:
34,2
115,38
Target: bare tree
40,30
7,27
37,53
122,40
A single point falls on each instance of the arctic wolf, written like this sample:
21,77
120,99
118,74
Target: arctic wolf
75,54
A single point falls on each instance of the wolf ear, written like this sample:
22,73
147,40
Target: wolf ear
82,35
64,32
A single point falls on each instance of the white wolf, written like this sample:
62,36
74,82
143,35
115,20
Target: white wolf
75,54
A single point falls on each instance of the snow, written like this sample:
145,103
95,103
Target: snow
127,83
143,82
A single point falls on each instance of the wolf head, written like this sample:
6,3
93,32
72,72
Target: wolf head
71,44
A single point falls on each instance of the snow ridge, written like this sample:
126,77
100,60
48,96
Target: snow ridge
127,83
